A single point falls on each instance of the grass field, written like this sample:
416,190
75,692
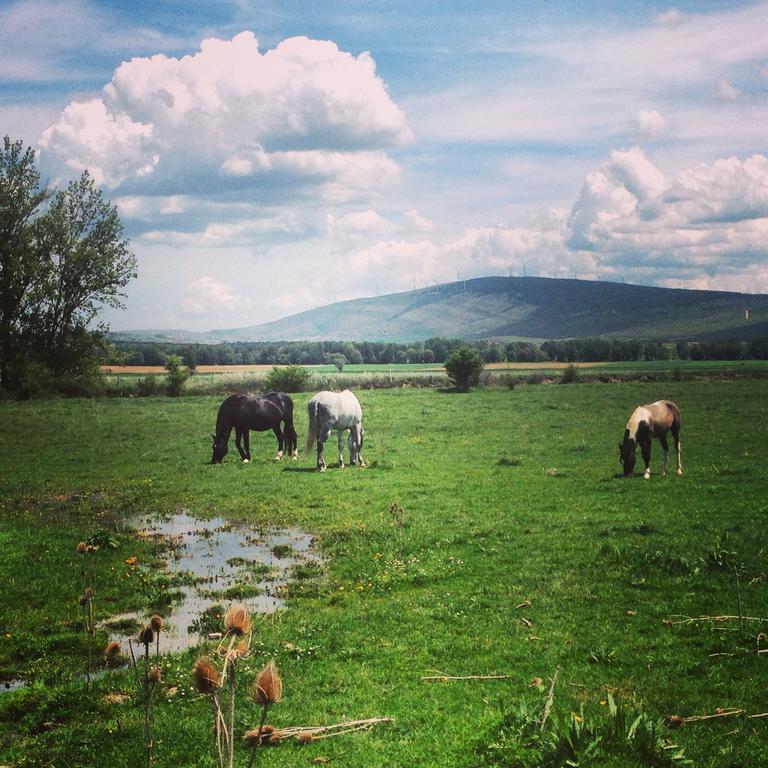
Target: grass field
489,535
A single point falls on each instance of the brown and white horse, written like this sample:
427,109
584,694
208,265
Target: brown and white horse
645,423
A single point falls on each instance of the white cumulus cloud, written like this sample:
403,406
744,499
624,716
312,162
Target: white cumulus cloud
207,295
650,124
230,119
707,220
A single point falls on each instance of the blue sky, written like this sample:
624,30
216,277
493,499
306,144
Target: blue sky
270,157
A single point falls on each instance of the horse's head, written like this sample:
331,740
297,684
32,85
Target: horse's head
627,455
220,447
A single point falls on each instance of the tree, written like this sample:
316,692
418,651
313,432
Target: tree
62,258
177,375
21,203
464,367
86,263
338,360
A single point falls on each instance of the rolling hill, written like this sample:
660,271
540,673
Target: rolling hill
511,307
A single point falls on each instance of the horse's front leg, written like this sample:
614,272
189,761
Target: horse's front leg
247,445
280,442
645,447
239,434
340,435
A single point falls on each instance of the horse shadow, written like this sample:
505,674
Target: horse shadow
299,469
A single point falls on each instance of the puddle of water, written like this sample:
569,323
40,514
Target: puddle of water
13,685
212,556
215,556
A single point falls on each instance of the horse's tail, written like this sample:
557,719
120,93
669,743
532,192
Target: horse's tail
290,431
312,409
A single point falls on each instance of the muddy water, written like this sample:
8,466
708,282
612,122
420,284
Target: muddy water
215,557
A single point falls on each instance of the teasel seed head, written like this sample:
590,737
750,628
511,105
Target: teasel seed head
268,687
154,675
156,622
82,548
207,677
254,737
237,620
146,635
674,721
113,654
305,737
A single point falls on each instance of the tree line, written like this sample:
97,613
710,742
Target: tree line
62,258
433,350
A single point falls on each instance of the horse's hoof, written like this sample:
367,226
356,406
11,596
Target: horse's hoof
279,456
295,457
679,471
646,476
321,469
246,461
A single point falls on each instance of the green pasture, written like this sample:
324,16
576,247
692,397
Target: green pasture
488,535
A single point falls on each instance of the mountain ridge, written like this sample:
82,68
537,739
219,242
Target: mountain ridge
506,307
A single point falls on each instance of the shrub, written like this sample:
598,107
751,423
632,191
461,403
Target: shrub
570,374
147,386
464,367
177,375
291,378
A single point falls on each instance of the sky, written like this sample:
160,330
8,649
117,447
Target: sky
269,157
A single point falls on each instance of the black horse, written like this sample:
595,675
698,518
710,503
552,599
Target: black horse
246,412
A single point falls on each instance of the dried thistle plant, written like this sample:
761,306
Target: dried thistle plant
234,645
207,677
157,623
208,682
267,689
113,654
86,602
237,620
152,676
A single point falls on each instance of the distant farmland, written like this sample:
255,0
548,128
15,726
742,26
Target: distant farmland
147,370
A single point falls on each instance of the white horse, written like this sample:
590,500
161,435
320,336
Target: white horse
338,411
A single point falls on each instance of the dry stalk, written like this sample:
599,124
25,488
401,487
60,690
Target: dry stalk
694,619
326,731
723,713
550,699
220,727
444,676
